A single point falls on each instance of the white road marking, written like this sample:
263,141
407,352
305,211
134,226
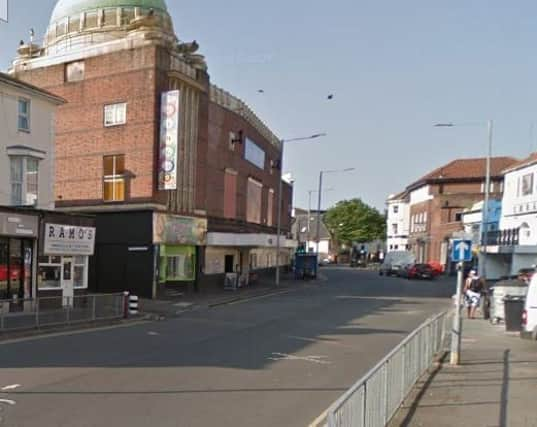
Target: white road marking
312,359
7,402
10,387
153,334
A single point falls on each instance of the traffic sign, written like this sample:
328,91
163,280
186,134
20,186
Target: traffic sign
462,251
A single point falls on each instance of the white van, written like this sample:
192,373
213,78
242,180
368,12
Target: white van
529,316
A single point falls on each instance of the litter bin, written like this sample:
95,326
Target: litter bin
514,306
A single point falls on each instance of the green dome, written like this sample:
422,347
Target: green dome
67,8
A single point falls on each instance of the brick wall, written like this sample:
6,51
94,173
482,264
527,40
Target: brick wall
81,138
220,158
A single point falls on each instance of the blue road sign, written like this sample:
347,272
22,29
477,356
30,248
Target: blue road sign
462,251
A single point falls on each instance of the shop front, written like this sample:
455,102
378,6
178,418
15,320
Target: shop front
18,247
177,240
68,243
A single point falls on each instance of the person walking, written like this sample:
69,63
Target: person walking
473,288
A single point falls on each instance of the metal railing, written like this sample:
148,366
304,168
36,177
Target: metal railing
57,311
374,400
508,237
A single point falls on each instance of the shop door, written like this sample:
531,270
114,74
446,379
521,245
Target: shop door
68,290
230,264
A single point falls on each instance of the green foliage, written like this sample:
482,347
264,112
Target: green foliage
355,221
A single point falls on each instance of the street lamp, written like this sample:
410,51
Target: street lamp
318,234
485,212
280,190
457,319
310,192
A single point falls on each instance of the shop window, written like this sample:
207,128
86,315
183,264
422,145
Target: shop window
177,263
115,114
24,175
74,72
49,273
24,115
114,178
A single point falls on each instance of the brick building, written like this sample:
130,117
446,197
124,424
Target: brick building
182,175
437,201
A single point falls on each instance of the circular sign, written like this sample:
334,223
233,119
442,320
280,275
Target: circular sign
167,166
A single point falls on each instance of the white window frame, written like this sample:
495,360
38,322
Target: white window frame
396,209
76,263
24,182
84,264
26,116
115,114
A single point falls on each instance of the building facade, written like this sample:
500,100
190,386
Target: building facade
398,222
514,245
438,200
145,140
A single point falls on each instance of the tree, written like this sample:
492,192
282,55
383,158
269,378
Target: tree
355,221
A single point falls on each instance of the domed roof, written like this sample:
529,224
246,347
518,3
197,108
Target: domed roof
67,8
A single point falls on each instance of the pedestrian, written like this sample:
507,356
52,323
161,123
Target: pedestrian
472,293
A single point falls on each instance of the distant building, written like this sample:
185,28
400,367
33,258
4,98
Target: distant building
305,232
437,202
514,245
398,222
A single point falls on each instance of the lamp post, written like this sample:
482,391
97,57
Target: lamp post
280,190
485,210
319,202
310,192
457,319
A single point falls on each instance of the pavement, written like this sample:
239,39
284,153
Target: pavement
281,359
496,384
174,306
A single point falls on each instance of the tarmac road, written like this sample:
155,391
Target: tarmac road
274,361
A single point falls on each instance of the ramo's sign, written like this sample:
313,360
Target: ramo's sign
69,240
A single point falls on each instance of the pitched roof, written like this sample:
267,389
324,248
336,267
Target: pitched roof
399,196
466,169
528,161
29,88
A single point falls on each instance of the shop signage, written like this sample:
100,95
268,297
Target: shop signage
169,140
179,230
69,240
18,225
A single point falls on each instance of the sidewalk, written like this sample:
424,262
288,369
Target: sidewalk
495,386
172,307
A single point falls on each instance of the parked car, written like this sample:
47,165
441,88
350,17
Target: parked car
395,262
438,268
529,315
418,271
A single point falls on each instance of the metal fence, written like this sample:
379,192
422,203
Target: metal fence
374,400
57,311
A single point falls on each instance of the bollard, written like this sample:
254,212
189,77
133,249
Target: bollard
126,304
133,305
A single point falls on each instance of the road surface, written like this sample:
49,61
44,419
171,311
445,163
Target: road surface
274,361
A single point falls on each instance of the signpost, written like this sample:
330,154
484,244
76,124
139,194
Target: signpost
461,253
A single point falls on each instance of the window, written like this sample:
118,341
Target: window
253,201
81,272
230,194
114,178
527,184
24,115
115,114
396,209
49,272
458,217
254,154
24,174
270,208
74,72
395,229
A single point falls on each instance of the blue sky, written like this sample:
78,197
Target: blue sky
396,68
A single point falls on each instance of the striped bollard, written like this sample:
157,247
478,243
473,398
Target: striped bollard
133,305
